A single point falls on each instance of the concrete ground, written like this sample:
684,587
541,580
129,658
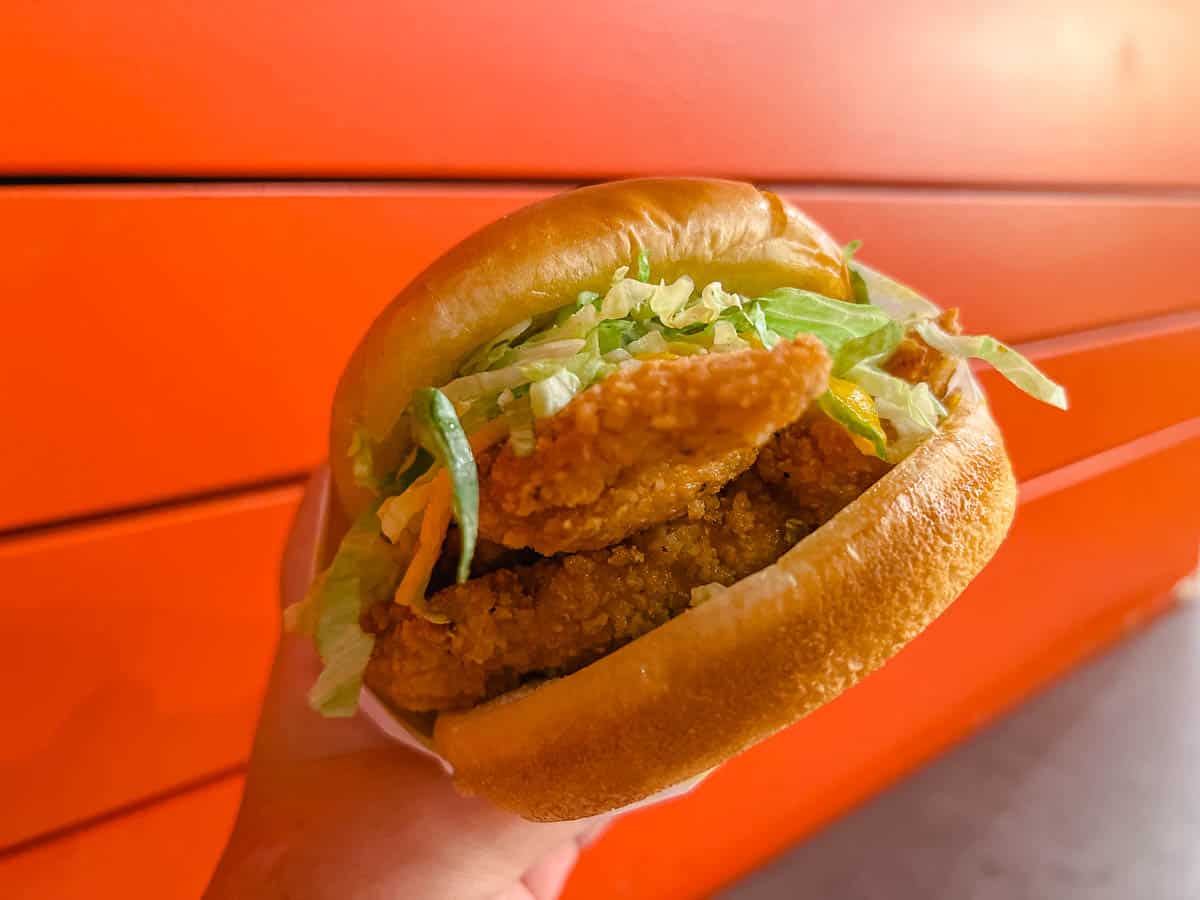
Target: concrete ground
1089,792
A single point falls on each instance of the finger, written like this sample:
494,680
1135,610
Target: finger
589,836
547,878
297,566
393,818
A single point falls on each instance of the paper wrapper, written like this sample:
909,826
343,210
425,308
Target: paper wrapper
329,529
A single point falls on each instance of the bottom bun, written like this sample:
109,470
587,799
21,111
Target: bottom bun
757,656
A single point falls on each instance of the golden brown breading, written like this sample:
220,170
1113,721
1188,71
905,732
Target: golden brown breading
651,493
819,467
559,614
638,447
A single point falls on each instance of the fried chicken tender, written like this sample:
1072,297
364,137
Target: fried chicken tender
641,445
817,464
559,614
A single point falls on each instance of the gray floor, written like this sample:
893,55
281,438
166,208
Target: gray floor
1091,791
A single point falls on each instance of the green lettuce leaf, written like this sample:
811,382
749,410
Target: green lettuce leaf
614,334
518,413
913,409
363,459
898,300
365,570
857,283
398,482
1004,359
879,343
437,429
491,352
551,394
749,317
643,266
790,311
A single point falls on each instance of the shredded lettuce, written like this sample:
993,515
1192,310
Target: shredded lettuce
748,317
790,312
398,482
551,394
877,344
725,338
491,352
363,465
560,349
437,429
670,303
1004,359
614,334
365,570
862,293
912,409
643,266
518,413
899,301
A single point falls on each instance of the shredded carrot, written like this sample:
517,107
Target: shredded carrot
437,496
434,523
490,433
396,512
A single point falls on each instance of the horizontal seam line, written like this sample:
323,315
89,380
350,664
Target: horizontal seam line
118,812
174,501
1108,460
332,177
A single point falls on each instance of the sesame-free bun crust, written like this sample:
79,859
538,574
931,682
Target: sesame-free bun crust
539,258
755,658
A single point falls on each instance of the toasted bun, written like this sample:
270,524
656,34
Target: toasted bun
769,649
757,657
540,257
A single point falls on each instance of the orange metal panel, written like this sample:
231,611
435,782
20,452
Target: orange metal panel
931,90
140,646
168,341
160,342
1003,639
166,851
1082,566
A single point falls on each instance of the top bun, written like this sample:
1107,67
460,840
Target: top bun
539,258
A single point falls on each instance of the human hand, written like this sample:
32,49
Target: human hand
333,808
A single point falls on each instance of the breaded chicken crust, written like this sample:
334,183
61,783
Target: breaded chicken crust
635,449
818,466
557,615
